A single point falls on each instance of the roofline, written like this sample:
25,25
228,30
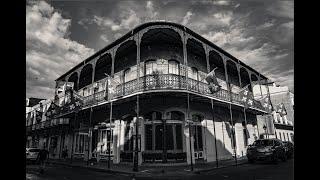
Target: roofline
147,24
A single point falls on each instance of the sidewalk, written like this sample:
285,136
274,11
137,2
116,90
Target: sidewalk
144,170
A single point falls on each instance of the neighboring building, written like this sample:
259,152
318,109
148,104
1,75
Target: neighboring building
30,102
155,69
283,124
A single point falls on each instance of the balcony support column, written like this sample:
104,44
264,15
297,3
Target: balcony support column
226,72
233,136
137,39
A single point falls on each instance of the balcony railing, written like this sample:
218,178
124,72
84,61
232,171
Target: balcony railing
165,82
47,124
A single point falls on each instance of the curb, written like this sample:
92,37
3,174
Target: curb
133,174
94,169
220,167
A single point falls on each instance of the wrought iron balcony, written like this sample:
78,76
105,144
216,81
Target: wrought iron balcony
165,82
47,124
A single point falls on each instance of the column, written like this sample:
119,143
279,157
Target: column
187,140
184,48
90,143
116,145
141,133
138,41
122,134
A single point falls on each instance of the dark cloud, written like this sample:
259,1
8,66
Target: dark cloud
61,34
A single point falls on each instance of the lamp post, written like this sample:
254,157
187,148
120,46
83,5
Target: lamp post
268,93
265,129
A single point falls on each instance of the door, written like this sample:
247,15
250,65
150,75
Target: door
198,142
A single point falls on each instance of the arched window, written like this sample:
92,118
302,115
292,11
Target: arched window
129,74
153,115
173,67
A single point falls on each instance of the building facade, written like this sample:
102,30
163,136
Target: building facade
150,82
283,123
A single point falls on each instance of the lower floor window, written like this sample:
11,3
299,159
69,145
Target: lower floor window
106,138
163,137
79,143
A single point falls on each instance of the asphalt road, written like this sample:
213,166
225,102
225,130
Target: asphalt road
256,171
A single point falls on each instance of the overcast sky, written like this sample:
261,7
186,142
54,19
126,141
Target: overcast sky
61,34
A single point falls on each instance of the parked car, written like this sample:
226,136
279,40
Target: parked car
289,148
266,149
32,154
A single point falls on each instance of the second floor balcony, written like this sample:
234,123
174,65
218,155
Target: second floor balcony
47,124
163,82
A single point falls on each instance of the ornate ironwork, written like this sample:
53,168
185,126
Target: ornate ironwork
164,81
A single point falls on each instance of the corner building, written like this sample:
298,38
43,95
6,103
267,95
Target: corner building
158,72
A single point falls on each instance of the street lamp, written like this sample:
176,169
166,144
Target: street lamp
265,129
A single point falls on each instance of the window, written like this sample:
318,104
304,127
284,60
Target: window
288,136
178,136
284,136
280,136
173,67
154,139
150,66
159,137
106,136
194,73
153,115
130,74
169,137
264,142
162,66
148,136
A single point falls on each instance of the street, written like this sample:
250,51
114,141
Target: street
256,171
